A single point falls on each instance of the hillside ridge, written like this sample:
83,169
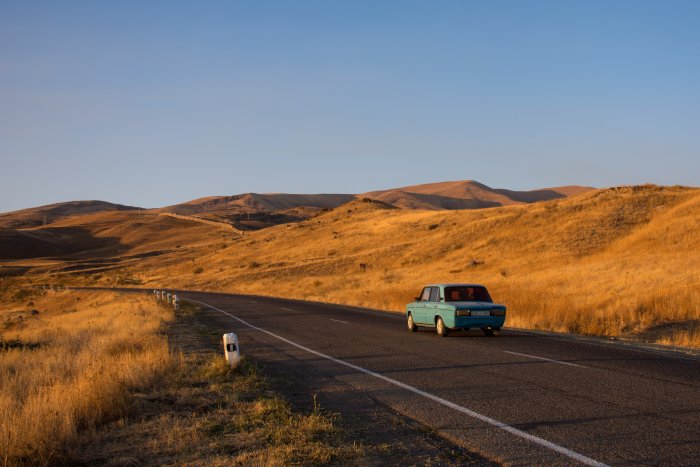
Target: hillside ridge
253,211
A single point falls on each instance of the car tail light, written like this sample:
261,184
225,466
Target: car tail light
498,311
464,312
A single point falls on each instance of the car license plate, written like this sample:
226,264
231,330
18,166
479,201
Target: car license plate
481,313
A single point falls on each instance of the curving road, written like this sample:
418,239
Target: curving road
517,398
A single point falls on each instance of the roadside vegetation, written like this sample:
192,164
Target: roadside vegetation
68,363
91,378
207,413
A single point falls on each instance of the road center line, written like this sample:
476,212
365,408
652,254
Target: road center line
542,358
286,309
514,431
338,321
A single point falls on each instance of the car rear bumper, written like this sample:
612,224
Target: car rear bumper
467,322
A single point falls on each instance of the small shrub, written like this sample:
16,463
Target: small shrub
22,294
198,270
128,281
433,226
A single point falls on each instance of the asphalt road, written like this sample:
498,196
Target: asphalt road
516,398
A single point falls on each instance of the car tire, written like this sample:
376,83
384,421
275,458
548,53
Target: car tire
440,327
487,332
411,324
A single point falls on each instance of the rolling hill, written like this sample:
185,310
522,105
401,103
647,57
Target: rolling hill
37,216
467,194
254,202
253,211
622,261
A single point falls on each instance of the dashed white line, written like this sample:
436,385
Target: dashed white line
286,309
338,321
514,431
542,358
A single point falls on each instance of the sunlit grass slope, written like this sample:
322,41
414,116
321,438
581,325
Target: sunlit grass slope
618,262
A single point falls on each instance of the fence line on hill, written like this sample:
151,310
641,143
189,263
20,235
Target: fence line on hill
225,225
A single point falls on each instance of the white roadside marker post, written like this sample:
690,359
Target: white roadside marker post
176,302
232,352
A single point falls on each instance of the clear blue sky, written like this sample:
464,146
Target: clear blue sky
154,103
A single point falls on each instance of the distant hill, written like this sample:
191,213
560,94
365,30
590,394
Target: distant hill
466,194
34,217
257,210
252,211
119,234
256,202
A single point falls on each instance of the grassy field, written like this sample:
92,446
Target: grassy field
207,413
105,378
71,367
619,262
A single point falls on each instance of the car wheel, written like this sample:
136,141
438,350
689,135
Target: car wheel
411,324
487,332
440,327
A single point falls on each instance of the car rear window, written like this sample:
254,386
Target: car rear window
463,293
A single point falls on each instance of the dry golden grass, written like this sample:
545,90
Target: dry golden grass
208,414
616,262
91,379
72,366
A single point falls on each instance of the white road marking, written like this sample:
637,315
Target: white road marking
286,309
514,431
546,359
338,321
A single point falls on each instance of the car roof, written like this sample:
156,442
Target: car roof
454,285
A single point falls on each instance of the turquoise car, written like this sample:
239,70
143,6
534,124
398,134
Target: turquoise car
450,307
